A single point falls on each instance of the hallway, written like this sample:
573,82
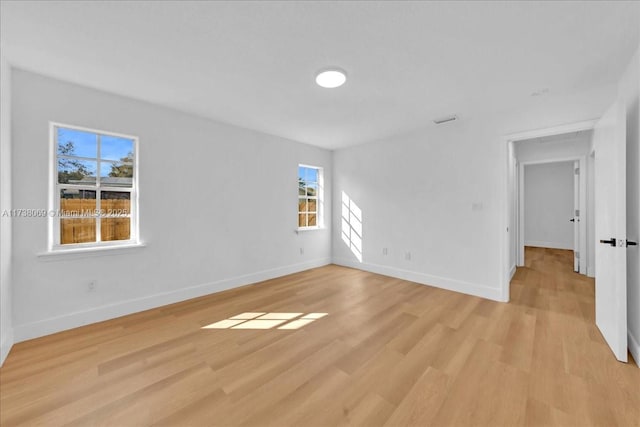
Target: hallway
548,282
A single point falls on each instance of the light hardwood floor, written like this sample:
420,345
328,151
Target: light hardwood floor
389,352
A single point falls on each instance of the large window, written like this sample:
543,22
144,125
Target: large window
95,191
310,186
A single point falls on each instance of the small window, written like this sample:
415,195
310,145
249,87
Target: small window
310,189
95,189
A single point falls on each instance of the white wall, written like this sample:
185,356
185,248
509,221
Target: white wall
561,147
629,92
548,205
440,193
217,209
416,195
6,324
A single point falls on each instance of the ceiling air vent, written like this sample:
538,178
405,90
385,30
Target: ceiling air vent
446,119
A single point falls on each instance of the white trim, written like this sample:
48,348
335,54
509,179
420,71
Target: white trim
298,230
93,130
80,318
591,271
634,347
504,205
426,279
520,218
5,345
555,130
89,251
512,272
550,245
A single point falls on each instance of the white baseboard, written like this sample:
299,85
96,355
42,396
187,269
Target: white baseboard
512,272
551,245
591,271
634,347
426,279
73,320
5,345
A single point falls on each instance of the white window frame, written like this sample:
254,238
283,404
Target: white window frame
319,199
55,216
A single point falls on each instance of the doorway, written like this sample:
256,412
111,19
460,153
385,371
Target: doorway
551,196
609,142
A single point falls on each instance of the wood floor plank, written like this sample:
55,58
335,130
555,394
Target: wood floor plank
388,352
423,401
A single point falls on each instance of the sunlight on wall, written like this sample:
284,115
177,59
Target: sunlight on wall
263,320
352,226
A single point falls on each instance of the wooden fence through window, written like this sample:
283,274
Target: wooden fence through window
77,225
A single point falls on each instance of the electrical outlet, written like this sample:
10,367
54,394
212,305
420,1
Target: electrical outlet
91,286
385,251
407,256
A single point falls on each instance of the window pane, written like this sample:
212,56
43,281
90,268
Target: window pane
302,173
74,171
312,220
115,229
312,205
302,220
116,174
302,205
115,203
73,142
312,190
77,230
312,175
77,202
116,148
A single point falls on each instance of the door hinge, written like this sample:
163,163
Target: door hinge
576,171
577,212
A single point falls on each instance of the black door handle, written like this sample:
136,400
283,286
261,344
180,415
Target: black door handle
572,220
611,241
630,243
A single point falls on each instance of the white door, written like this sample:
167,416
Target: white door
576,217
610,228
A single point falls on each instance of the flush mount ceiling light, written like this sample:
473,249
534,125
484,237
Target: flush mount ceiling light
331,78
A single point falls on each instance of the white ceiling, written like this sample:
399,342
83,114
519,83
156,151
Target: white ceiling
252,64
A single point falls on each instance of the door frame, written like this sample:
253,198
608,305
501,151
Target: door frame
582,190
506,218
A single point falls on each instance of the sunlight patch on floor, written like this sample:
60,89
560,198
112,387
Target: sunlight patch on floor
263,320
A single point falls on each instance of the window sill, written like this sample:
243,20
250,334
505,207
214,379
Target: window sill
299,230
74,253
